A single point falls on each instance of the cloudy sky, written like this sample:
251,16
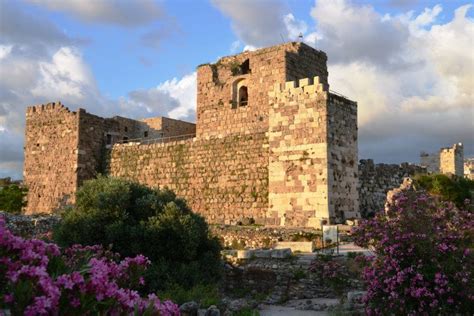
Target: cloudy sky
408,63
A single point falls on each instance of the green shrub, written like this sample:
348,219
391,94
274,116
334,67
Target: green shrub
135,219
12,198
454,189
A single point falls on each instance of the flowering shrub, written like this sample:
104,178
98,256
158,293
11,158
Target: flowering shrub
36,279
424,261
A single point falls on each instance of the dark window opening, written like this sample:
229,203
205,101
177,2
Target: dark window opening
243,96
126,129
245,67
125,139
109,139
145,134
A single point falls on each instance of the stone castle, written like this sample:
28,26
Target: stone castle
271,144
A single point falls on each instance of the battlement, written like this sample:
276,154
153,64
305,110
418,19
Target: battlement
309,85
49,107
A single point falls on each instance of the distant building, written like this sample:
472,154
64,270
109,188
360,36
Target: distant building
449,160
469,168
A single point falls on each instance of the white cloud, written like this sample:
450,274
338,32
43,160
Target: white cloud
257,23
116,12
50,68
175,98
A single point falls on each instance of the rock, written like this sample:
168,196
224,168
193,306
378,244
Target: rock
189,309
281,253
213,311
354,298
237,305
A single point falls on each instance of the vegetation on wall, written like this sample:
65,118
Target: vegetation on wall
135,219
12,198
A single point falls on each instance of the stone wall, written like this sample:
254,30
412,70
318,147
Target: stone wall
375,180
342,158
224,179
258,237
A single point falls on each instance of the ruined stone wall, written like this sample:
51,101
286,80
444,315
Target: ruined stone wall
224,179
298,165
375,180
51,157
342,157
218,111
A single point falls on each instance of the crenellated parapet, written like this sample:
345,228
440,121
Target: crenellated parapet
48,107
303,86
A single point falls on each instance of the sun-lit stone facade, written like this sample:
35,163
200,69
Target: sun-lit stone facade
271,144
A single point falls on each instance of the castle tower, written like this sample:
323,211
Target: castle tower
232,94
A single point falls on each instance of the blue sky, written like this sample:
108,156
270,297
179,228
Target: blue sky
408,63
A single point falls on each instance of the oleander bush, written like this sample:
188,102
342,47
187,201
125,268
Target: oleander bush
39,278
134,219
423,263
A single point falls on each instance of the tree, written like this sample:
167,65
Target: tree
135,219
12,198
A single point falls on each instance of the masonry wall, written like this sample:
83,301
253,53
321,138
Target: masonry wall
217,110
51,157
375,180
343,157
224,179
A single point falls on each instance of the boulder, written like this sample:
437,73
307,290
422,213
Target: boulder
189,309
213,311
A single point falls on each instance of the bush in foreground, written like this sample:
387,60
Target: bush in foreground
12,198
424,261
135,219
36,278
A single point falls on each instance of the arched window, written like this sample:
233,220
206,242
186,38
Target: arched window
240,95
243,96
